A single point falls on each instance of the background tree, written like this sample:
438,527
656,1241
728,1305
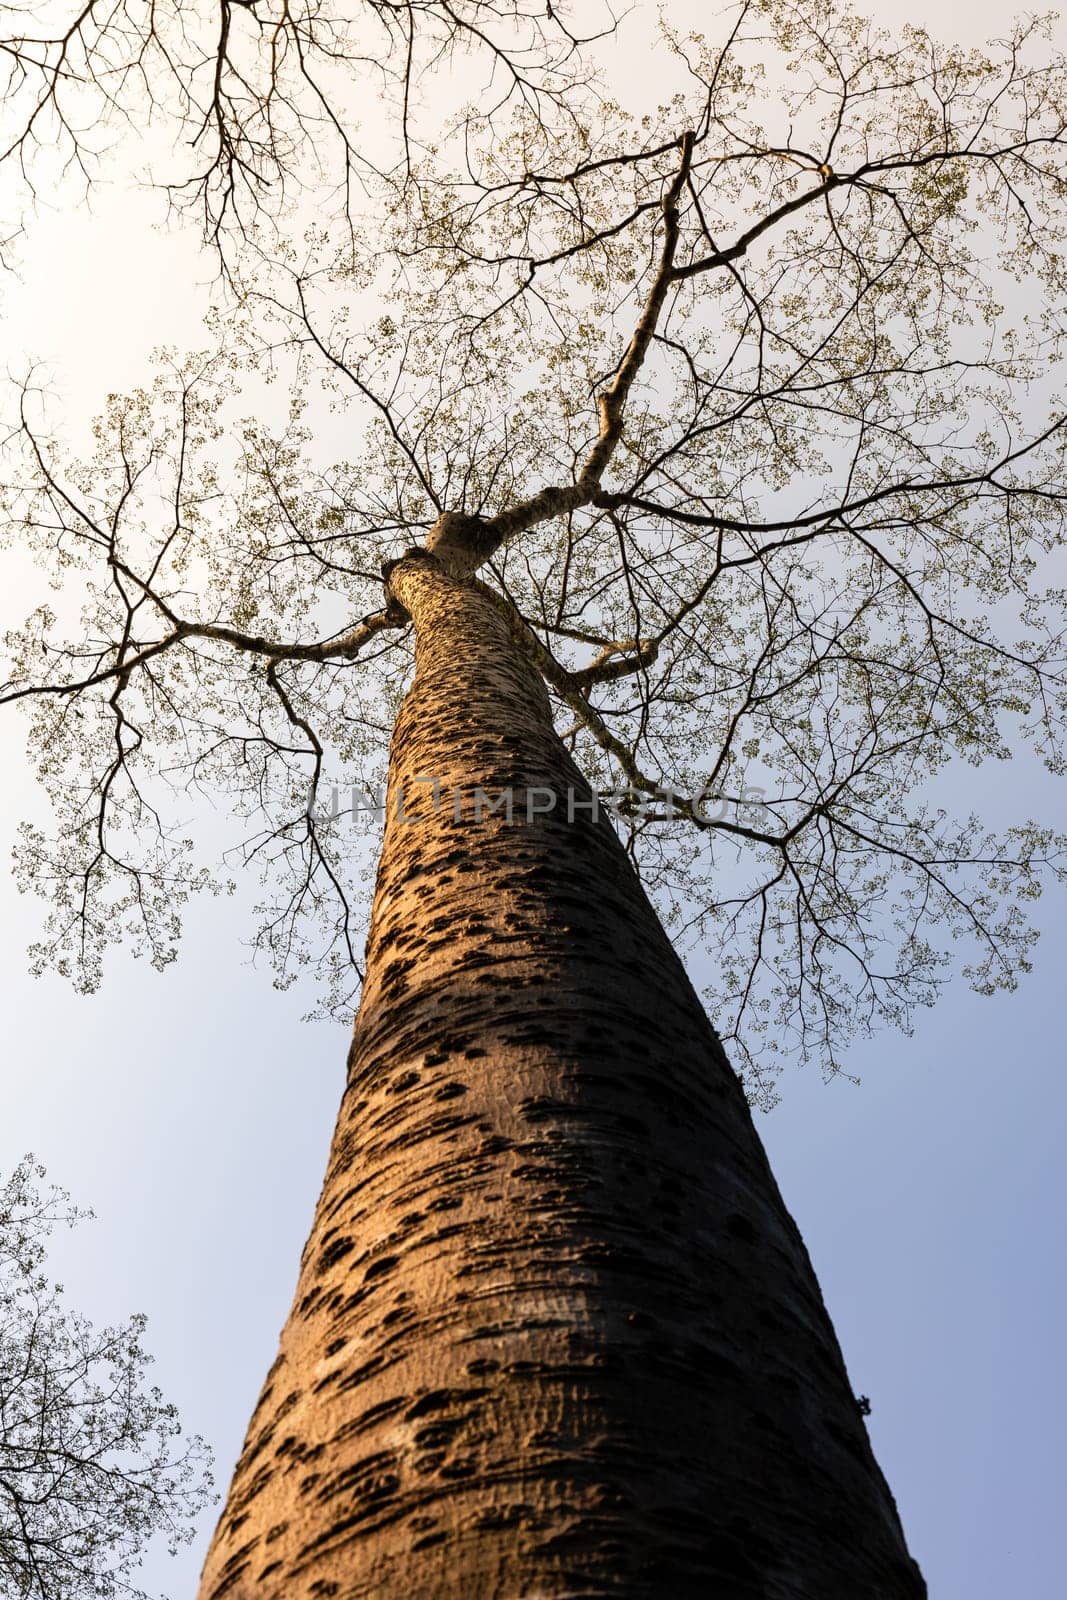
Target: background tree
730,417
92,1464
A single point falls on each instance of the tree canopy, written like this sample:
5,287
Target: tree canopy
91,1459
748,409
254,102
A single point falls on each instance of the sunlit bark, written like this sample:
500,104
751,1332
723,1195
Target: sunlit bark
555,1332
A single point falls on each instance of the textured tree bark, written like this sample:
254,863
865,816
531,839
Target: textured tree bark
555,1332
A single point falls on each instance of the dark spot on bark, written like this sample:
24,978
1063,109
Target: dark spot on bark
451,1091
435,1400
378,1269
333,1253
741,1228
437,1435
427,1540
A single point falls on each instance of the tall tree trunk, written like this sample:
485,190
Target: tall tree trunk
555,1332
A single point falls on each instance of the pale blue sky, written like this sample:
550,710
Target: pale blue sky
193,1111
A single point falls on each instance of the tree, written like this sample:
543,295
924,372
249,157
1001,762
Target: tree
90,1463
707,470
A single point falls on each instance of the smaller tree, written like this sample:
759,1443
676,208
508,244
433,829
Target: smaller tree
91,1460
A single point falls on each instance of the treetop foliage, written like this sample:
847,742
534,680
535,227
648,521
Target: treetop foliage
745,408
254,103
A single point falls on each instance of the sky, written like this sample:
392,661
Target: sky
193,1110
